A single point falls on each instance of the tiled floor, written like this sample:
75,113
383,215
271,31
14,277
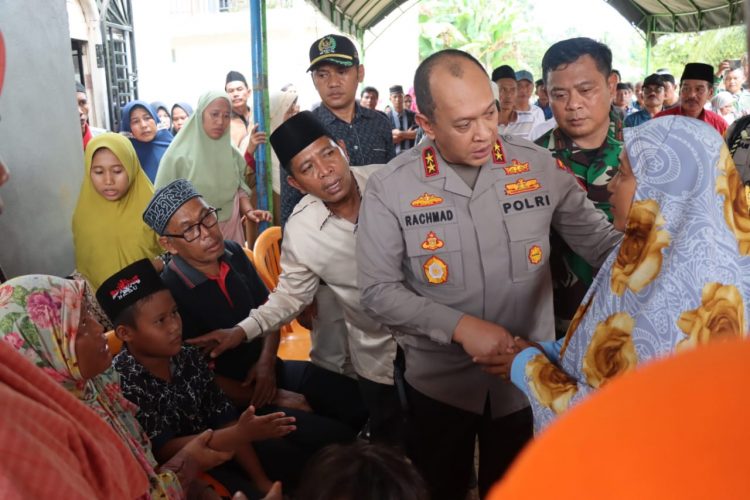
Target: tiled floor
295,345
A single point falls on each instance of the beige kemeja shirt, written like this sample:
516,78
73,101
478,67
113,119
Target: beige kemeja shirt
319,245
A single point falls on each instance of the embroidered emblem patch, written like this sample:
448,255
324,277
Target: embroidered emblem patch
125,287
498,155
535,254
426,200
435,270
429,159
522,186
516,168
327,45
432,242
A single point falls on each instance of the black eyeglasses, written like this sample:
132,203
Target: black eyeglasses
193,232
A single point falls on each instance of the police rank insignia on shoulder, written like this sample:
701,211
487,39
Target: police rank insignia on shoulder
522,186
426,200
535,254
432,242
430,162
516,168
498,155
435,270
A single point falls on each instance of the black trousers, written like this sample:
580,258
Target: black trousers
284,459
387,420
440,441
330,394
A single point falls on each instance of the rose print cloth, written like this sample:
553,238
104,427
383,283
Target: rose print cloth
39,318
680,277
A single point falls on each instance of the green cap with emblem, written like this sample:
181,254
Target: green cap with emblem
334,49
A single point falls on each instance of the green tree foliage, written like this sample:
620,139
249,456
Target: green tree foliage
711,47
506,32
491,31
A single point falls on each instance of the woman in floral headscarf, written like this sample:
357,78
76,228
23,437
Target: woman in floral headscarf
44,319
680,277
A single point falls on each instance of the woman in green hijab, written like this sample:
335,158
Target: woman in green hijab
203,154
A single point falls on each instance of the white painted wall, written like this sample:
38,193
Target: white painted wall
180,56
84,24
40,139
392,51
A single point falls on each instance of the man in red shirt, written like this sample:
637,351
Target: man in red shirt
696,88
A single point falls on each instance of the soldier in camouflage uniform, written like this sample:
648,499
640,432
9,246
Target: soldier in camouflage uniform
588,142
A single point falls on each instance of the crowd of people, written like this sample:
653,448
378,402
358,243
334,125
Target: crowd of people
464,285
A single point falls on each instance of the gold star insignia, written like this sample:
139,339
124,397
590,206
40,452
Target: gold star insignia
430,163
498,152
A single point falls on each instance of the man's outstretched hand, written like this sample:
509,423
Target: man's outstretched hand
219,341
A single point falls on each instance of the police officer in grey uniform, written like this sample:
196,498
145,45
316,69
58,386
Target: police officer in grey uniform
452,252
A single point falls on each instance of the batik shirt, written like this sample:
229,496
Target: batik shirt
188,404
593,168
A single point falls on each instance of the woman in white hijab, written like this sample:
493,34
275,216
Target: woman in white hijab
723,104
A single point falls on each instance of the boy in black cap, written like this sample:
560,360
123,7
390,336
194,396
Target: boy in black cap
336,71
696,88
403,121
171,384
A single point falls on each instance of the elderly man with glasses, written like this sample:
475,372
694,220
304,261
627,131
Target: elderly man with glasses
696,88
215,287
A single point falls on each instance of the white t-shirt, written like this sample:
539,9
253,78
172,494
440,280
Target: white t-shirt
524,124
543,128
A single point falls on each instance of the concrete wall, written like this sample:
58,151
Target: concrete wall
40,139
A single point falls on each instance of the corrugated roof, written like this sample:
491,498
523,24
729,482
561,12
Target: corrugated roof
652,16
680,16
356,16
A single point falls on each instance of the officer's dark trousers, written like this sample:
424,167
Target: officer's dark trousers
330,394
387,421
440,442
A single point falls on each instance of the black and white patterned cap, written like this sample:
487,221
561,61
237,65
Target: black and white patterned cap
166,202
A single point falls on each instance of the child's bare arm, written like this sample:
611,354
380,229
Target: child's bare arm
249,427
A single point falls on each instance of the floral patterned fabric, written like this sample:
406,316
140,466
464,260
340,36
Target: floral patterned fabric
680,277
39,317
